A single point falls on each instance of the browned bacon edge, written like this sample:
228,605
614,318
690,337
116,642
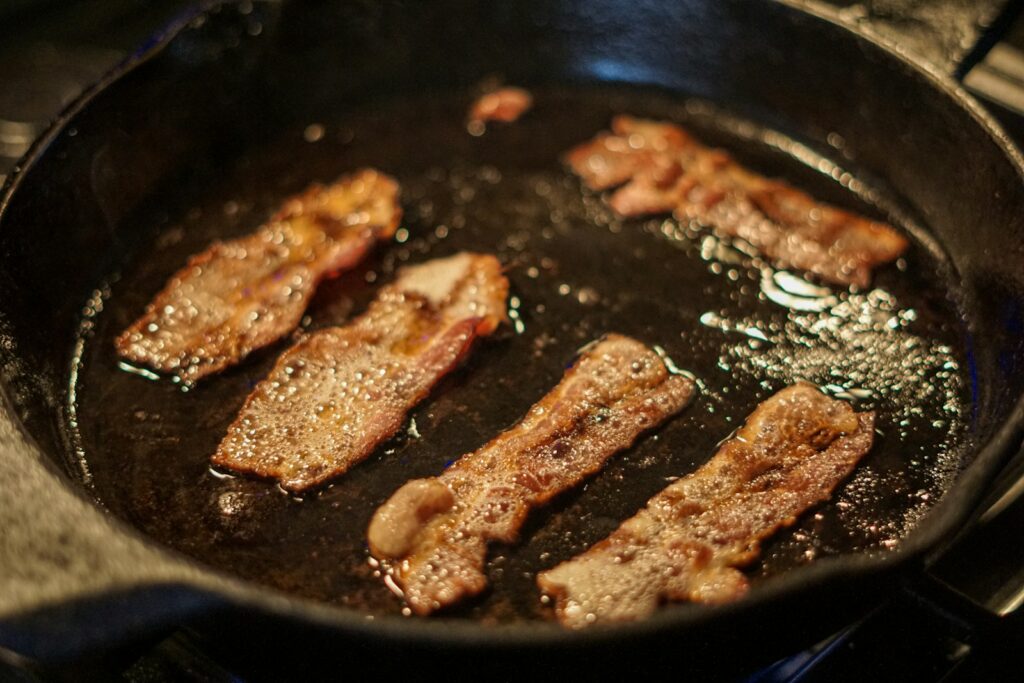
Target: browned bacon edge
661,168
240,295
432,534
334,397
687,543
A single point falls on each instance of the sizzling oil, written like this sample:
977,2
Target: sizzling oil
741,327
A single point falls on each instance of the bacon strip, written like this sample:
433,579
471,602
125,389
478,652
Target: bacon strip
504,104
333,397
661,168
243,294
687,542
433,533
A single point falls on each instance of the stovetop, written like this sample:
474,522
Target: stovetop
50,50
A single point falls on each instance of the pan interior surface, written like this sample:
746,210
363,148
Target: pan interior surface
743,328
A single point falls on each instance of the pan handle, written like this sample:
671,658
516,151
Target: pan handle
975,586
954,35
74,581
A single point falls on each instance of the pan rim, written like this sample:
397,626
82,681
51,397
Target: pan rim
942,521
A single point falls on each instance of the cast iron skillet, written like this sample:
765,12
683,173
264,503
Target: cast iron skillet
213,117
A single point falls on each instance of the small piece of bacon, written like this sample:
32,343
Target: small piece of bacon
610,159
433,533
687,543
504,104
240,295
662,169
333,397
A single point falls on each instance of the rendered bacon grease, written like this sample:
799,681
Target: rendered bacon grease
249,292
687,543
504,104
433,533
660,168
333,397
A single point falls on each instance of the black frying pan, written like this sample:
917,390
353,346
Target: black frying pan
203,133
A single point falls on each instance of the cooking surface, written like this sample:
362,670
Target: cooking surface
742,328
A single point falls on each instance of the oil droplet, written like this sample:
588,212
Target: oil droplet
141,372
712,319
787,290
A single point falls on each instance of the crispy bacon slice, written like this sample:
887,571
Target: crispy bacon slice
433,533
504,104
246,293
333,397
688,541
662,169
